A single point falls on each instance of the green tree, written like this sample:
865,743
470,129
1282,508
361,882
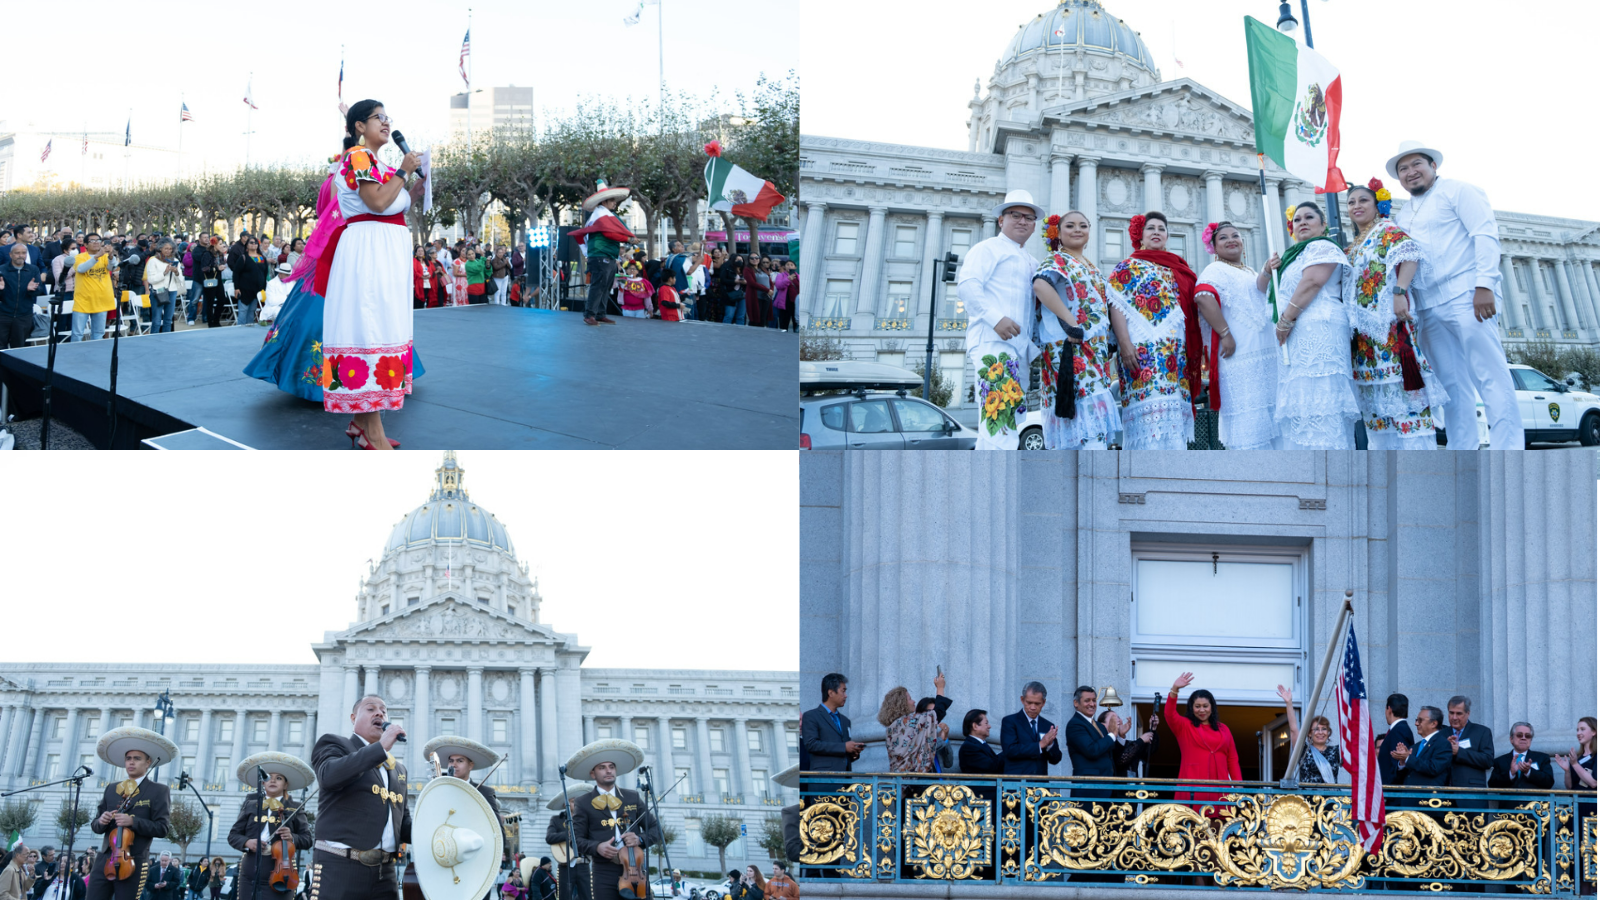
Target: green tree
719,832
17,816
939,386
772,836
67,823
185,821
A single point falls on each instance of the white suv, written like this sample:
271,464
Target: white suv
1554,412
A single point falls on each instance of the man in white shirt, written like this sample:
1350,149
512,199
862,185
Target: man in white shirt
995,285
363,813
1455,304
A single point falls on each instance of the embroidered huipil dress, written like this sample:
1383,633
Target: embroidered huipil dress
1316,407
1082,290
1248,380
1157,413
366,319
1393,416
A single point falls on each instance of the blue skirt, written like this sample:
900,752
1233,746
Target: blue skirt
291,355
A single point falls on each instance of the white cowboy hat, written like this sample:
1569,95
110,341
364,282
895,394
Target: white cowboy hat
789,778
604,194
574,791
1406,149
293,770
1017,198
446,744
285,268
115,744
626,754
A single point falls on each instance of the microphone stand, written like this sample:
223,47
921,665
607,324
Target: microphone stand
51,338
64,868
111,402
572,842
655,811
261,792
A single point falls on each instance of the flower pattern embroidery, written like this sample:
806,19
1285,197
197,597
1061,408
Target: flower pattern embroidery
353,372
1160,371
1148,287
999,393
1374,363
360,165
1091,363
390,372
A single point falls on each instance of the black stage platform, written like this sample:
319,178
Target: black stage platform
497,377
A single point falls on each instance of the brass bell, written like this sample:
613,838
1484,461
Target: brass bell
1109,697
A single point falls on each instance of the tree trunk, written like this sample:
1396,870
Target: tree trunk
727,228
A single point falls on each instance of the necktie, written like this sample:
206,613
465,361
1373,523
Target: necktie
837,723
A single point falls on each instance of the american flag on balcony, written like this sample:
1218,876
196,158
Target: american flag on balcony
1356,750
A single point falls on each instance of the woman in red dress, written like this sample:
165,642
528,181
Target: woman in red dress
1204,743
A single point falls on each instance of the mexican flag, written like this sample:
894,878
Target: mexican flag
733,190
13,841
1296,96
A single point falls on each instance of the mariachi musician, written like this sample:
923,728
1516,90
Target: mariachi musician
459,757
571,868
260,827
363,813
602,817
137,803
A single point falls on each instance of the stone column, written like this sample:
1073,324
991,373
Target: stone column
988,226
1512,294
1088,193
1214,203
1593,283
932,252
475,703
811,253
1060,185
871,262
780,750
274,741
1541,301
202,753
371,685
588,729
702,755
549,744
8,718
69,743
1276,236
741,756
311,730
663,776
36,744
1152,187
1582,296
528,705
569,710
351,685
420,730
102,769
19,739
241,721
1568,307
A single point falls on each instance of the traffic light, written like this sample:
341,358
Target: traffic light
183,781
951,265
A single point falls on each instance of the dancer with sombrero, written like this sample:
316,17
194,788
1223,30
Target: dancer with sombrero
571,867
602,238
609,817
137,802
267,816
459,757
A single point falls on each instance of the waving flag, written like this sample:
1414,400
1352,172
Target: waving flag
46,154
1295,97
248,95
85,144
1356,751
633,18
733,190
466,51
185,116
127,136
341,79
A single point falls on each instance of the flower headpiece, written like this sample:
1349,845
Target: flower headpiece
1136,231
1288,220
1207,235
714,148
1382,195
1052,233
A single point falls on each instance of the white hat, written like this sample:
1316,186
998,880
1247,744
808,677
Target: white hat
115,744
604,194
626,754
446,744
285,268
789,778
1017,198
1406,149
293,770
574,791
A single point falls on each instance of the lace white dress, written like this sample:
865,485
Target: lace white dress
1247,380
1316,407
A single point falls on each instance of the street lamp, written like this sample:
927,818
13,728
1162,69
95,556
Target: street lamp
1286,20
162,713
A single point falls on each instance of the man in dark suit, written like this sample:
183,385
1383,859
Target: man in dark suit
1522,768
1471,746
1091,750
1428,763
1395,710
166,879
976,757
363,813
825,732
20,283
1028,740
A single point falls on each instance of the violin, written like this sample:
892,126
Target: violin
119,856
634,884
285,873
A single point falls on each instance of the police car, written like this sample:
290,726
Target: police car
1554,412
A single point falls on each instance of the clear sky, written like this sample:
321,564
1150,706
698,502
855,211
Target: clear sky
654,559
403,52
1492,84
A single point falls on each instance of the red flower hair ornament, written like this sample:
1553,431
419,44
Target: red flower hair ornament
1052,232
1207,236
1136,231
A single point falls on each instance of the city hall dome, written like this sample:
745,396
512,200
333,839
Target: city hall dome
1079,25
449,515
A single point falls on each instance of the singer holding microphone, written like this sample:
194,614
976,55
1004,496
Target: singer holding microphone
364,275
363,813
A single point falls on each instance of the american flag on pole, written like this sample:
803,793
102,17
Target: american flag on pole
185,116
1356,750
466,51
46,154
85,144
341,79
248,99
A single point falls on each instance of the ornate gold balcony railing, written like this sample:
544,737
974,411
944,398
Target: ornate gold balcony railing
1017,830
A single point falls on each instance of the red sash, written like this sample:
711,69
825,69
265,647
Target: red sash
325,263
1215,356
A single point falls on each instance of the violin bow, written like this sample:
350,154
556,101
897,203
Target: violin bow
662,796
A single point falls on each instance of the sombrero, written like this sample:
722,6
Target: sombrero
446,744
295,772
789,778
115,744
626,754
604,194
526,867
574,791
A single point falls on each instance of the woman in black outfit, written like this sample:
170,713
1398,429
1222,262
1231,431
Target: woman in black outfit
249,279
208,268
729,279
1142,748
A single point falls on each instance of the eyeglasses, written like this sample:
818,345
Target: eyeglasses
1029,220
1528,737
382,119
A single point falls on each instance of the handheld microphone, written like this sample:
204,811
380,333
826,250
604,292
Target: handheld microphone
388,725
400,141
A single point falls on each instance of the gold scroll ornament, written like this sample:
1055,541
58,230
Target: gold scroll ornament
950,833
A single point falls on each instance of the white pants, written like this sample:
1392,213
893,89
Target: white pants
1466,354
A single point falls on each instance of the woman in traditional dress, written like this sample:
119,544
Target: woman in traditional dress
365,276
1072,328
1395,387
1236,323
1158,339
458,280
1316,407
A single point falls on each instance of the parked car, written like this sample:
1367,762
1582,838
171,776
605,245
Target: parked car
877,413
1553,411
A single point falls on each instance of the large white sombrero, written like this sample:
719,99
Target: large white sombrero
295,772
115,744
789,778
626,754
604,194
574,791
1406,149
446,744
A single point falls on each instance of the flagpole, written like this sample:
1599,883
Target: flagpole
249,107
661,58
469,82
1291,778
184,104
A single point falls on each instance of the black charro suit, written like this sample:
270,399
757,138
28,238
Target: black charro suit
150,804
977,758
1540,777
1020,747
353,808
247,826
572,881
593,826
